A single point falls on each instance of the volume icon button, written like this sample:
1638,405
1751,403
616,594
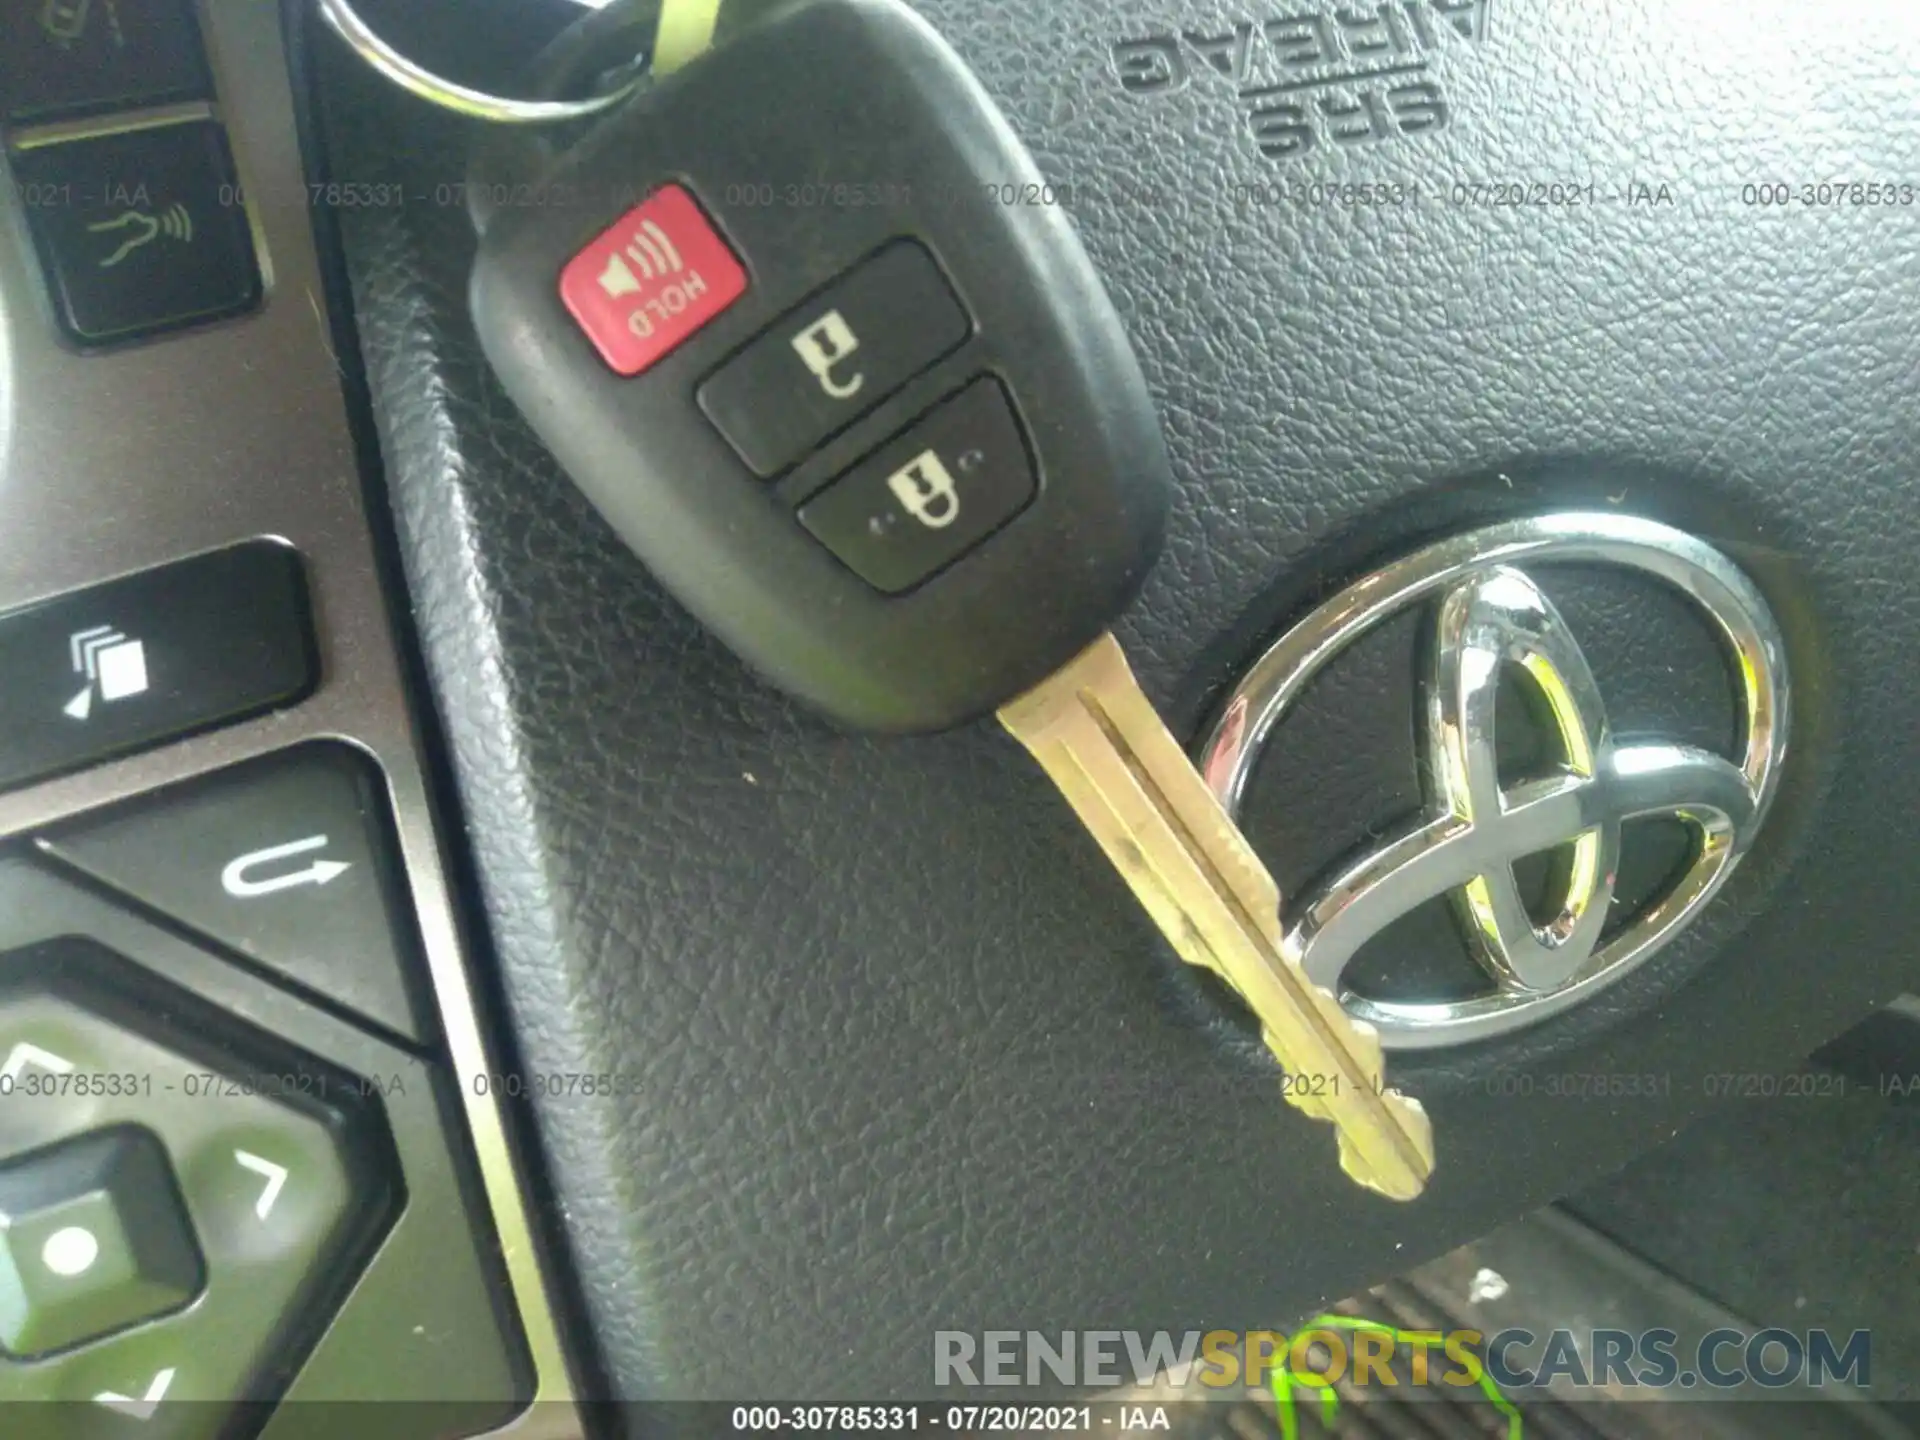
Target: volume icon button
651,279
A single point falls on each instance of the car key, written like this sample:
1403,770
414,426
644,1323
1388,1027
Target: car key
1094,731
810,329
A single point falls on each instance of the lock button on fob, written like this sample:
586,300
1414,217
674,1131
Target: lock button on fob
835,357
928,495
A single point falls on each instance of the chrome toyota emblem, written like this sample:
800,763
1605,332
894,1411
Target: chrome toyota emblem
1490,615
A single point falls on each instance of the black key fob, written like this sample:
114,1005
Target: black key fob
811,330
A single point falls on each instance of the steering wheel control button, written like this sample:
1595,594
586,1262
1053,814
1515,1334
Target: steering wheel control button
826,362
268,1195
236,1171
93,1238
69,57
150,657
929,495
656,275
288,860
148,234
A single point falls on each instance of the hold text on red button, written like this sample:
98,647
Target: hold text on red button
653,278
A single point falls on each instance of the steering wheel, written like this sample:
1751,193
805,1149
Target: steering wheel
1582,335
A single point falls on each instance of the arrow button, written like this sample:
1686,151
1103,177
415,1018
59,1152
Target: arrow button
255,873
275,1175
143,1408
290,861
24,1056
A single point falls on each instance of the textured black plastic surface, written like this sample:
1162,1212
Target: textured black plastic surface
862,127
921,1064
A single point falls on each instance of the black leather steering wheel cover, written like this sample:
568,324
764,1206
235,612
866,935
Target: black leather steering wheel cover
908,1057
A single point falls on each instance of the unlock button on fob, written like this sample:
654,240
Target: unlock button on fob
833,358
930,494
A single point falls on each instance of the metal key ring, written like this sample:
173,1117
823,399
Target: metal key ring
347,23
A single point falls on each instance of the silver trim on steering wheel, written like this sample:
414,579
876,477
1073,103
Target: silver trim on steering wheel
1490,617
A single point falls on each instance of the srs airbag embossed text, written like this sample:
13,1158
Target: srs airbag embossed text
1353,76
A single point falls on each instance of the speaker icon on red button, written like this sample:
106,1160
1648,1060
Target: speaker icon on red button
650,280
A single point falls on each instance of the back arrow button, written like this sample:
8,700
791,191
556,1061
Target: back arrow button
238,879
289,859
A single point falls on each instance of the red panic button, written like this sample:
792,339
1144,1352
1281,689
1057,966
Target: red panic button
654,277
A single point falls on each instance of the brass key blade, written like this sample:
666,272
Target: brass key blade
1094,731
